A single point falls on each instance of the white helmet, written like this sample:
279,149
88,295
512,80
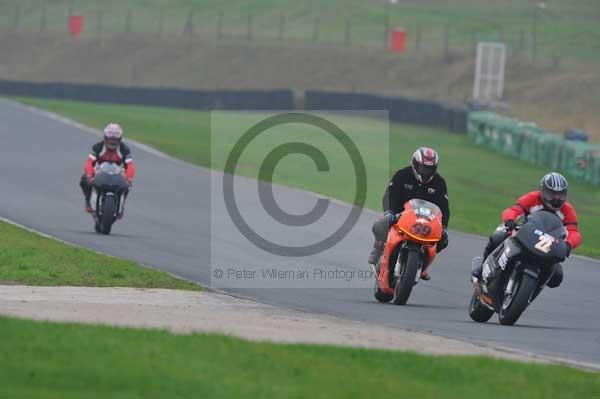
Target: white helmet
112,136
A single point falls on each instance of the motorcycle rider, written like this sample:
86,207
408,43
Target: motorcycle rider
552,197
111,149
419,180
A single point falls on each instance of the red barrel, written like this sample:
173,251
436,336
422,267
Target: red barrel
398,40
76,25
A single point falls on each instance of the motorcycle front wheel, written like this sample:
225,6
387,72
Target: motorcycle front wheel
515,304
108,214
406,280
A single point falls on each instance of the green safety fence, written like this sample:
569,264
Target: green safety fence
533,144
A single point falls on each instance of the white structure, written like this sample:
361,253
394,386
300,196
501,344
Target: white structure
489,71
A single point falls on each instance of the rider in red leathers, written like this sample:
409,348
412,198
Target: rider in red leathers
552,197
111,149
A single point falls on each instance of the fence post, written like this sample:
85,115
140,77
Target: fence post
220,17
99,22
43,18
161,21
418,34
315,35
70,8
282,21
188,28
249,35
128,19
70,11
555,60
521,40
347,32
446,34
386,25
17,17
534,34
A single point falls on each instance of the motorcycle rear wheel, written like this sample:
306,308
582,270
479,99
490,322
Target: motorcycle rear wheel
478,311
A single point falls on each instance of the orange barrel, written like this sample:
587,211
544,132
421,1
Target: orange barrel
398,40
76,25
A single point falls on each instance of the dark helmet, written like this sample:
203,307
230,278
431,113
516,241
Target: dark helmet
553,188
424,164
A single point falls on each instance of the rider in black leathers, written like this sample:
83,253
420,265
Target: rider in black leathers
419,180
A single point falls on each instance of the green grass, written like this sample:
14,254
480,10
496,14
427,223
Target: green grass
30,259
481,183
567,27
48,360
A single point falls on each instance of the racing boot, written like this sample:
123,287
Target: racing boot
424,275
376,252
476,269
88,206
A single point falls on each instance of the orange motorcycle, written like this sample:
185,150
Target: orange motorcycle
409,249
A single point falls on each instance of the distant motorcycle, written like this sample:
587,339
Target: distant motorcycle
410,243
110,185
515,273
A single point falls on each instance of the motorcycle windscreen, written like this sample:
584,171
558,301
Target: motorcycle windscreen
421,220
110,168
425,209
114,182
543,236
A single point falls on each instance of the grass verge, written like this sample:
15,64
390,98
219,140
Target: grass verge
481,183
95,361
30,259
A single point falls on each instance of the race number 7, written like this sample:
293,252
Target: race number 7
544,244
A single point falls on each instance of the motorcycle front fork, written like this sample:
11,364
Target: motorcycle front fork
122,206
120,200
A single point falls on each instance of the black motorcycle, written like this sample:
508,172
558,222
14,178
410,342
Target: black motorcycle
515,273
110,186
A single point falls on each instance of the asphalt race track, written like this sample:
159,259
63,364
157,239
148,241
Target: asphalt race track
176,221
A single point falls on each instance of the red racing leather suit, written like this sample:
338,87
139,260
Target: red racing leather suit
120,156
532,202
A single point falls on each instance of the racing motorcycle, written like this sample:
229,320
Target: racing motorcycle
515,273
411,245
110,185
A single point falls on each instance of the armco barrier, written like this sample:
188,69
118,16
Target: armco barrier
533,144
164,97
401,109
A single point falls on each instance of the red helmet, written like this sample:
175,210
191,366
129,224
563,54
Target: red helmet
424,164
112,136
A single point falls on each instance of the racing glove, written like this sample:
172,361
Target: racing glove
443,242
390,218
510,224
